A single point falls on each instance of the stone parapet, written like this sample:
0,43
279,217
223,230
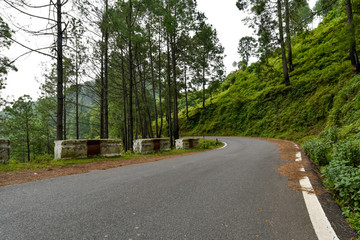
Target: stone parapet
187,143
4,150
83,148
150,145
110,147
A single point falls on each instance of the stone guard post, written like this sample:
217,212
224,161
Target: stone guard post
187,143
150,145
4,150
83,148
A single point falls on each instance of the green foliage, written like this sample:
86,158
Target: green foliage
5,42
324,7
209,144
301,15
43,158
317,149
18,124
255,103
342,177
246,49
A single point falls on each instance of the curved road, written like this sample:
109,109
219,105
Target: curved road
230,193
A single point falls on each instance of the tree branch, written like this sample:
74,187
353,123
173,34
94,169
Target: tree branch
32,6
31,15
32,50
36,50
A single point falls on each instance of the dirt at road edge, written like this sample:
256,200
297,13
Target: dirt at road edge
40,174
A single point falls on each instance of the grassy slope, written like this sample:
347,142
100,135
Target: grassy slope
321,108
258,104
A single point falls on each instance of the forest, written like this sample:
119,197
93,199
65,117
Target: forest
119,71
136,69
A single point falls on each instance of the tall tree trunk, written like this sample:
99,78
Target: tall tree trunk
169,90
204,83
288,35
102,93
153,84
77,95
139,122
106,77
282,44
159,80
144,107
27,137
59,114
351,26
49,143
130,120
186,96
175,113
64,113
124,93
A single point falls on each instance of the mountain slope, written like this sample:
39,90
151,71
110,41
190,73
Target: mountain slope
255,102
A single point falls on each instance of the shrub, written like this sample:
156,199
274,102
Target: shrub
318,150
348,152
207,144
330,134
342,177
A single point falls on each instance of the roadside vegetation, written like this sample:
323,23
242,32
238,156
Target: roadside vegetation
47,161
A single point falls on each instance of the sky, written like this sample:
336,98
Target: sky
30,67
222,14
227,20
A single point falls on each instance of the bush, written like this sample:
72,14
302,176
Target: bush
318,150
207,144
342,177
348,152
330,134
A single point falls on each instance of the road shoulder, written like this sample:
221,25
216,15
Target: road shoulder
291,170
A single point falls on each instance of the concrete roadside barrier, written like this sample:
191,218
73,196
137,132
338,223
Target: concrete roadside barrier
187,143
150,145
4,150
84,148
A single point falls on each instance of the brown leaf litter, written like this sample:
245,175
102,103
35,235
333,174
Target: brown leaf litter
291,169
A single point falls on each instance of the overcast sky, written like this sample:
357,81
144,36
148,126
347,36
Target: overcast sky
222,14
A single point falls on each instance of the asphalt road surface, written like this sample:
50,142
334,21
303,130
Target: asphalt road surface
230,193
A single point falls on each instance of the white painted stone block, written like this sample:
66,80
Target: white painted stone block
66,149
83,148
150,145
110,147
187,143
4,150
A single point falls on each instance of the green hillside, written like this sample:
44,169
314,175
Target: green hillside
320,109
256,103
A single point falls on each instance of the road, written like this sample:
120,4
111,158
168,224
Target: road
230,193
